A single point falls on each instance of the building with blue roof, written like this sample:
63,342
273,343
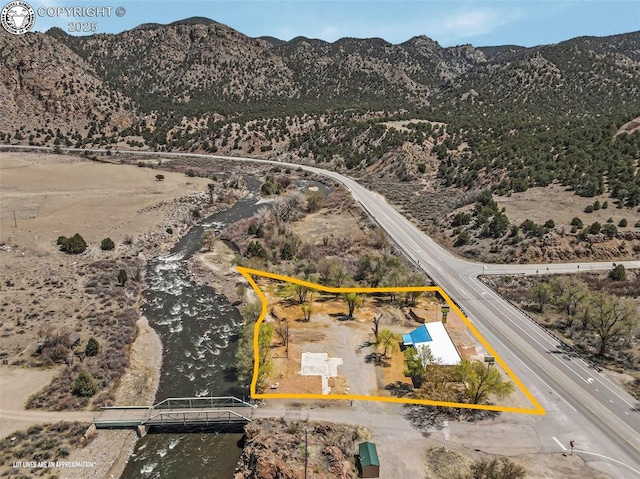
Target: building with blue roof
436,337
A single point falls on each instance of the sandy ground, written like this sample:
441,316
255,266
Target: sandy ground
16,385
139,384
218,269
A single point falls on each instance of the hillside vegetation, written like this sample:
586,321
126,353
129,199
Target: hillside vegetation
449,122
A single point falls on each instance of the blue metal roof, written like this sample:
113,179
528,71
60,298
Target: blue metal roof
418,335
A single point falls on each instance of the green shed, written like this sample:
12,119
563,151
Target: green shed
368,461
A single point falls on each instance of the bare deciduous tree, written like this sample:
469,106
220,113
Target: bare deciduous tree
376,325
287,208
611,318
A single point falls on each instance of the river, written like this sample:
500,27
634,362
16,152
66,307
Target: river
198,328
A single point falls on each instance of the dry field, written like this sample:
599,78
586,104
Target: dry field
55,195
556,203
42,288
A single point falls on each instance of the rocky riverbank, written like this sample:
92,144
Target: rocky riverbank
110,450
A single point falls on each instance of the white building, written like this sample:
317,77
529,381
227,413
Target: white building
435,336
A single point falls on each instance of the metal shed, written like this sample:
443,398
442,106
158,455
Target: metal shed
368,461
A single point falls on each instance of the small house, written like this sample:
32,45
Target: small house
368,462
435,336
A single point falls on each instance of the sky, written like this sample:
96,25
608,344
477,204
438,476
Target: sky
449,22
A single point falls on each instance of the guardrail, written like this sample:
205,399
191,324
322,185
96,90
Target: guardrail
202,402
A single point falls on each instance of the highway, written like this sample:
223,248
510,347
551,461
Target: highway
582,404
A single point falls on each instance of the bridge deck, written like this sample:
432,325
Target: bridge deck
123,418
177,411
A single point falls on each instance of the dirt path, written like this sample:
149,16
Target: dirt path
16,385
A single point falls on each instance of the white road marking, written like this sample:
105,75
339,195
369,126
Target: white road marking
590,381
559,443
609,459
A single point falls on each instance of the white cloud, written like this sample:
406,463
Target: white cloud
468,23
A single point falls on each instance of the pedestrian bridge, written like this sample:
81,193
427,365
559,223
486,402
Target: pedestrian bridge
190,411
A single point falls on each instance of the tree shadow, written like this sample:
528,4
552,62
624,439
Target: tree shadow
377,359
425,418
400,389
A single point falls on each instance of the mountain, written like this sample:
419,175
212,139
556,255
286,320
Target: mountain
45,86
198,65
507,117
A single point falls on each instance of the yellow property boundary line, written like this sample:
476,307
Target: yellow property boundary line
248,273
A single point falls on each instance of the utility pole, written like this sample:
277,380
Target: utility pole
15,222
306,453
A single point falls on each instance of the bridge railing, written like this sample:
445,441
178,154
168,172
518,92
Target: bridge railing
167,418
202,402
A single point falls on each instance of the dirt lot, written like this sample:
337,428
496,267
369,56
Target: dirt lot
363,371
329,331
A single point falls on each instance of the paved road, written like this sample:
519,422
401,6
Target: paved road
582,404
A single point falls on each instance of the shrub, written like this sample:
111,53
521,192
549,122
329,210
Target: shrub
618,273
159,177
195,212
122,277
577,222
315,201
549,224
596,205
461,219
595,228
623,223
92,347
589,209
462,239
498,468
255,249
610,230
84,385
107,244
422,168
605,205
73,245
288,251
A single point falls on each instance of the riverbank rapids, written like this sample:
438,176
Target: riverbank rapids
45,196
